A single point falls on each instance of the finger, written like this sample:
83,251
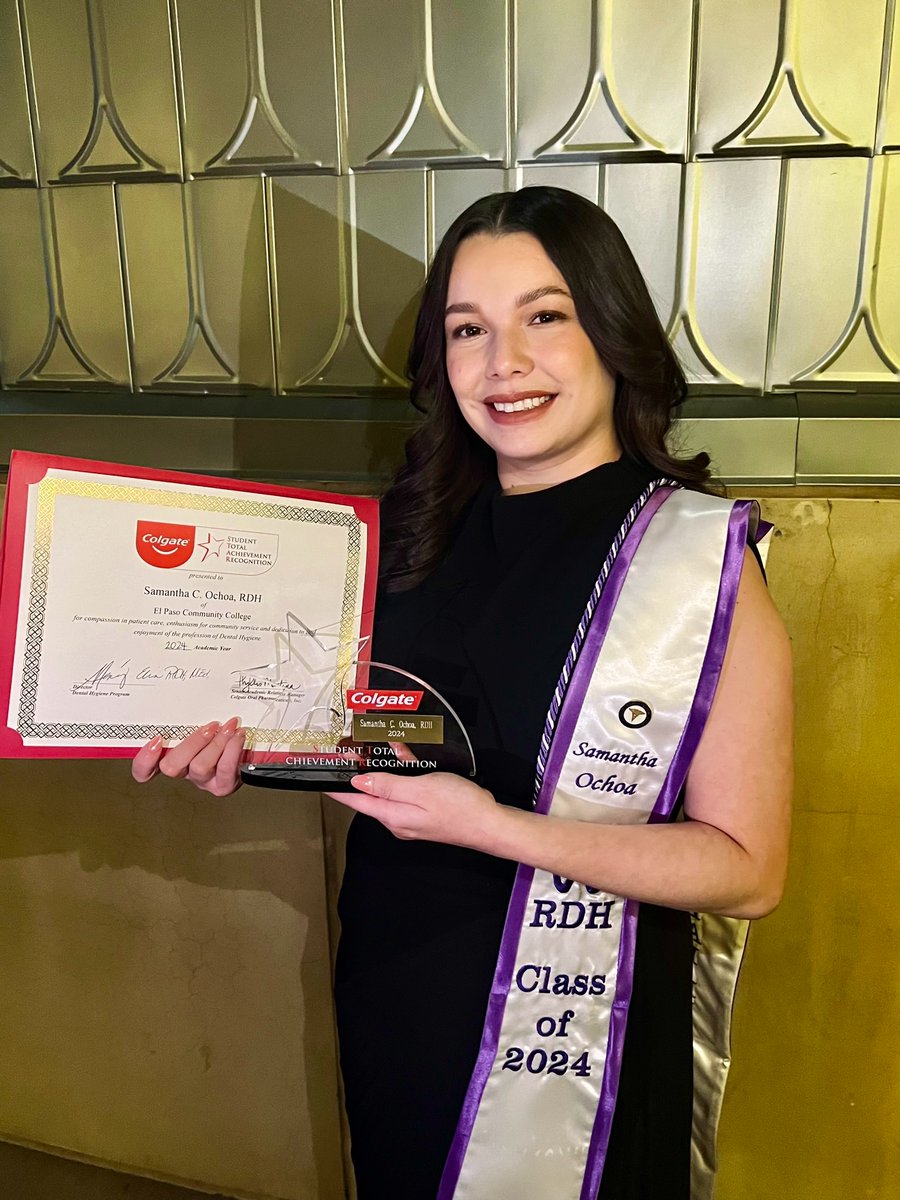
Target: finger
202,767
175,762
371,806
145,763
386,786
228,779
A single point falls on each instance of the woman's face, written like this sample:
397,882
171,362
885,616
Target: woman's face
525,374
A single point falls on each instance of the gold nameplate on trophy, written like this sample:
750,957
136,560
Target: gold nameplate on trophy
388,727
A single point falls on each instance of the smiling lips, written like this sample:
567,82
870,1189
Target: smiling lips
517,404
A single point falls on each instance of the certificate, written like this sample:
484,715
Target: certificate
135,602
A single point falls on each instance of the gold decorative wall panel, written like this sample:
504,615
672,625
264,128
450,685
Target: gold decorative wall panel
780,76
104,89
584,178
727,243
600,77
746,150
197,263
62,316
454,191
350,257
259,95
17,161
889,118
427,82
838,312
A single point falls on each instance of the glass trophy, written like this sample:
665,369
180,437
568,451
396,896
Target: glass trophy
322,712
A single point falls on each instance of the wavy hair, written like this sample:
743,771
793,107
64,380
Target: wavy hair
446,462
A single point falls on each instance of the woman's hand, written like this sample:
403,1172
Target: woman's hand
432,808
209,757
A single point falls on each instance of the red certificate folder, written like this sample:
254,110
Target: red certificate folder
176,543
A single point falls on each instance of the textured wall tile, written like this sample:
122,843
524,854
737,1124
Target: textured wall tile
196,258
344,297
597,77
889,117
310,264
104,86
839,313
24,303
426,81
584,178
454,191
390,245
62,320
705,242
644,199
780,74
17,163
260,94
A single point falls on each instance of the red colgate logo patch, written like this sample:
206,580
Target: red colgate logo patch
367,699
163,545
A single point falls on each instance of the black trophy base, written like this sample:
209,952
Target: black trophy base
316,779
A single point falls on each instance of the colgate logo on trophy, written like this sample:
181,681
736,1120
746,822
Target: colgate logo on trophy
362,700
163,545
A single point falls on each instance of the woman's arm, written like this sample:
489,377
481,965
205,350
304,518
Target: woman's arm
728,856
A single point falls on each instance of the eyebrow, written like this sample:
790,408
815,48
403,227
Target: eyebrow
551,289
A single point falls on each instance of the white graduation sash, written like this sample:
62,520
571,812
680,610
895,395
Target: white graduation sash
625,722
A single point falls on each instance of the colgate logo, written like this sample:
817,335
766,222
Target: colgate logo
395,701
164,545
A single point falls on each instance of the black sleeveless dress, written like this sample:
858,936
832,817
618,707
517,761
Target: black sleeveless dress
421,922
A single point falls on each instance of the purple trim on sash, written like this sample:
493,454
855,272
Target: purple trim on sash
512,929
618,1020
562,685
762,529
590,651
735,542
506,960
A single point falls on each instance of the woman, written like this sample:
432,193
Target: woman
548,387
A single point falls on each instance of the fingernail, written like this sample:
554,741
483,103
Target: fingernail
154,743
210,729
230,725
363,781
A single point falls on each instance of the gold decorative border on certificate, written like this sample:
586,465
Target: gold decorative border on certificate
52,487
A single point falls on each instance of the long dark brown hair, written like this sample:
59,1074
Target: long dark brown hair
446,461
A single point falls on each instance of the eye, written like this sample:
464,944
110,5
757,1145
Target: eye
547,317
466,331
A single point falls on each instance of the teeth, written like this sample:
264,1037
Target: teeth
523,405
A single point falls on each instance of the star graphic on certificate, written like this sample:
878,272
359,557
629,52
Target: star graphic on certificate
207,547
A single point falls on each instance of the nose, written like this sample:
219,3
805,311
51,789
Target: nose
508,355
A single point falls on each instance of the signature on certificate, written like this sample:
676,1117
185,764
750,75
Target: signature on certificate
253,683
117,676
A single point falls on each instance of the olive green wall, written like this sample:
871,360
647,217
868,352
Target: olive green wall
166,980
813,1107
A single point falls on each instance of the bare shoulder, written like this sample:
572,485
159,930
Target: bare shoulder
741,777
